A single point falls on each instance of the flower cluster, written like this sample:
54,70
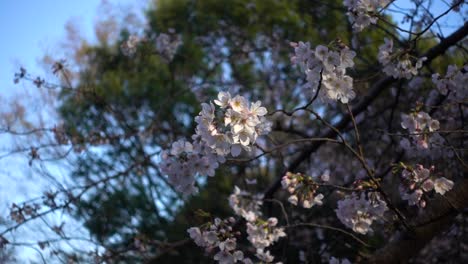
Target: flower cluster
185,160
398,64
326,66
245,204
358,212
213,141
219,235
166,45
129,47
418,181
453,84
261,233
302,189
421,128
233,125
362,13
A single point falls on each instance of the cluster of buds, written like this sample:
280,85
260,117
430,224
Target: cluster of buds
20,213
302,189
49,199
418,181
422,129
20,75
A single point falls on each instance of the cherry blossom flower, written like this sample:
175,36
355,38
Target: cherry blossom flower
421,128
302,189
326,66
245,204
443,185
243,123
218,234
418,181
359,212
398,64
453,84
362,13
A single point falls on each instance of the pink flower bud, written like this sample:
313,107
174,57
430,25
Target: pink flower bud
422,203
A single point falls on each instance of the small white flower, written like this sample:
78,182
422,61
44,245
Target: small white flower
318,199
236,150
433,125
321,52
358,213
228,245
293,199
211,237
181,146
224,257
428,185
264,256
443,185
272,221
223,99
347,56
257,110
332,60
238,104
196,235
238,256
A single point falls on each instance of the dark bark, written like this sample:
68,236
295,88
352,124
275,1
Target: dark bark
436,218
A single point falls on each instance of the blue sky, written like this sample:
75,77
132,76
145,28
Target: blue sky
448,23
29,28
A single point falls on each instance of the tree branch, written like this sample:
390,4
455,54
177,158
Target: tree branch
362,105
436,218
